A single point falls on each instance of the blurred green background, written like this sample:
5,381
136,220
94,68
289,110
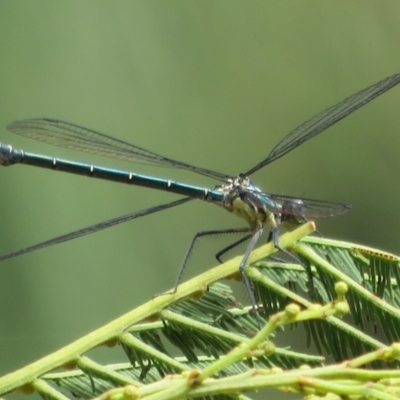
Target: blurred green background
213,83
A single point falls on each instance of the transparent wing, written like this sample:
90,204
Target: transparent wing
65,134
94,228
307,208
325,119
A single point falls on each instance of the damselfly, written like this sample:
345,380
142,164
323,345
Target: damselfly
236,194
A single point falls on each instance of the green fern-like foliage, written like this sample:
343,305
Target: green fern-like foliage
204,342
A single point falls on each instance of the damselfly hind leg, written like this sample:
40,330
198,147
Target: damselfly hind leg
199,235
